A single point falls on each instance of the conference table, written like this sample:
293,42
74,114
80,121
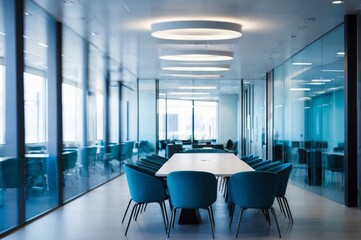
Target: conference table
220,164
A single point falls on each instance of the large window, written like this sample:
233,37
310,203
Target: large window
176,119
205,120
179,120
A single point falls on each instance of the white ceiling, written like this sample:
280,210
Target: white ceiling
123,30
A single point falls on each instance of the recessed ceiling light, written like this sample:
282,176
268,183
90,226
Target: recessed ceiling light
198,87
310,19
180,75
314,83
197,68
196,30
68,3
2,33
42,44
94,33
340,54
303,99
337,2
300,89
302,63
331,70
197,55
189,93
27,14
321,80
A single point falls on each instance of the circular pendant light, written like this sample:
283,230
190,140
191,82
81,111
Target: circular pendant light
196,30
196,55
201,68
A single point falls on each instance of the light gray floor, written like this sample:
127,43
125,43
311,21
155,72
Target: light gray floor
97,215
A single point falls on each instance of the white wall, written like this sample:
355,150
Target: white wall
227,118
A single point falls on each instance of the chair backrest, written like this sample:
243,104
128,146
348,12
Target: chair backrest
268,166
192,189
302,157
204,150
114,151
284,171
254,161
253,189
335,163
261,163
9,172
90,153
253,157
171,149
229,144
70,158
246,157
144,188
142,169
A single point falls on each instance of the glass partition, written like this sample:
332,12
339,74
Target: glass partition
39,197
75,168
147,117
309,120
128,122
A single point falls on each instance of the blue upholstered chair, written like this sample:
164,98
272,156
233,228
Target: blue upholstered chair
254,190
284,171
249,158
192,190
254,161
144,189
268,166
261,163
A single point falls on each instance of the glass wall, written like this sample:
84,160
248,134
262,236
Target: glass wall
254,121
86,162
128,122
38,196
8,192
309,115
147,117
75,171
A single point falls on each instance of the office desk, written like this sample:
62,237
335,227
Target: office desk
220,164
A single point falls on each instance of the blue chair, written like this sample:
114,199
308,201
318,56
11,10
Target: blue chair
9,175
254,161
261,163
284,171
252,157
246,157
192,190
253,190
268,166
144,189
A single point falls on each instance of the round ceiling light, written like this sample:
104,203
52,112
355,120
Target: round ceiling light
196,30
197,55
184,75
215,68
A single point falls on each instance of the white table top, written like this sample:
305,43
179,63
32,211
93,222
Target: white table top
220,164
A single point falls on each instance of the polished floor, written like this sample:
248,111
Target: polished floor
98,214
